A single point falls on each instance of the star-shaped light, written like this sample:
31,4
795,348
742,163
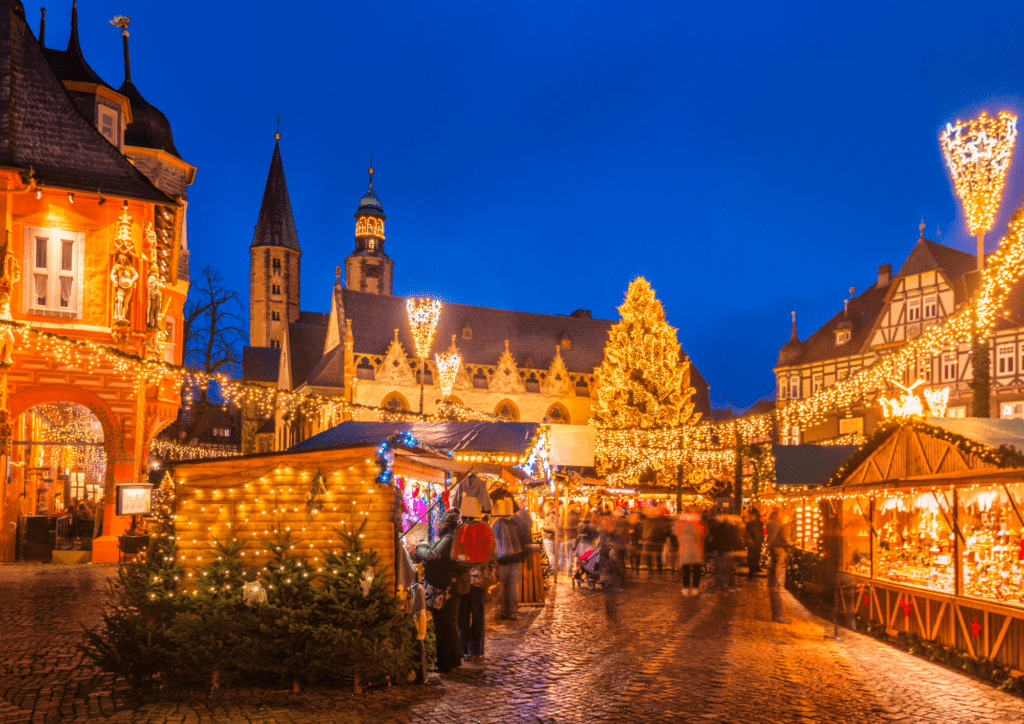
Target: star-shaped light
975,628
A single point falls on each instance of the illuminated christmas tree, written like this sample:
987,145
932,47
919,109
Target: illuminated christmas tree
643,391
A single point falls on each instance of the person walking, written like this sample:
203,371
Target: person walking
655,534
475,548
636,535
779,546
723,541
445,578
547,531
690,532
511,535
755,540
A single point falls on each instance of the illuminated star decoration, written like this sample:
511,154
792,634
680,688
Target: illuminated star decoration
977,153
975,628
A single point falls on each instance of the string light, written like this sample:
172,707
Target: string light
448,364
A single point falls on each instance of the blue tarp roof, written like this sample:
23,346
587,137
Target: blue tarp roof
498,437
808,464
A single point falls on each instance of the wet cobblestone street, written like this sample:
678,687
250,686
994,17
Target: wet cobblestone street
642,654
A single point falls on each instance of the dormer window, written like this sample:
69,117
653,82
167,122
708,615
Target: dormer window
108,124
842,336
565,341
467,331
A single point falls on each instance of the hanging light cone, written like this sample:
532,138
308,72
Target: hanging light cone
423,315
448,364
977,153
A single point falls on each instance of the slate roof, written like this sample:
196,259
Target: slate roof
41,128
928,255
260,364
149,127
865,309
70,64
370,202
276,225
305,348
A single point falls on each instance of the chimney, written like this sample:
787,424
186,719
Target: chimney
581,314
884,275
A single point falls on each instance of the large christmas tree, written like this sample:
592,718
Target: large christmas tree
643,393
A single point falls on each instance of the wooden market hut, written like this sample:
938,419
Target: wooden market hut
245,497
928,534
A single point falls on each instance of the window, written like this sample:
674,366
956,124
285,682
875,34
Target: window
842,375
1005,357
924,369
532,383
275,264
783,388
365,370
507,411
794,388
275,316
842,336
395,402
558,414
791,436
582,388
480,379
956,412
55,260
565,341
275,289
1011,410
275,344
108,124
950,365
169,351
929,306
914,310
1021,357
467,331
816,383
371,244
851,426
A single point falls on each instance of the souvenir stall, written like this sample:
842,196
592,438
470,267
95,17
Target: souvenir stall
930,538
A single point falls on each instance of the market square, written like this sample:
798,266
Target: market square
579,429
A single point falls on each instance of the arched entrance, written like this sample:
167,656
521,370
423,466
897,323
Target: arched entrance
59,467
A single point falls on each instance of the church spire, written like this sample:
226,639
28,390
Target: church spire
276,225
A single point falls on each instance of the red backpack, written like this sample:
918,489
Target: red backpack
474,544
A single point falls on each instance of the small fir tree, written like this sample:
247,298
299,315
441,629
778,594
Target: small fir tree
643,389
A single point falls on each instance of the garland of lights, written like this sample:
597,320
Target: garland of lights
385,456
175,451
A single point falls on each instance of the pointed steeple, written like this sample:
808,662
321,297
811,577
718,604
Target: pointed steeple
276,225
791,350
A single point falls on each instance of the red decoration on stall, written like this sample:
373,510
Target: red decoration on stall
906,608
975,628
867,598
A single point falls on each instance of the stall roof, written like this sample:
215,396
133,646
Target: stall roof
496,437
808,464
992,432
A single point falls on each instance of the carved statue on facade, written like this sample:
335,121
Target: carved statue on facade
124,278
6,332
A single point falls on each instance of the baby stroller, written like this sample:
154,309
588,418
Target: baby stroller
601,566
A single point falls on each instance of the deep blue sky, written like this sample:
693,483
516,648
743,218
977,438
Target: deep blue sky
747,158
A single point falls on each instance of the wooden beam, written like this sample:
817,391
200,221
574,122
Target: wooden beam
917,613
920,448
878,605
967,635
938,621
895,608
945,452
985,632
999,639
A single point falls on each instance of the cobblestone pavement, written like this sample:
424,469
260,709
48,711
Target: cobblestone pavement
639,655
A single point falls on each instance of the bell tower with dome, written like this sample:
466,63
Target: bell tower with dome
368,268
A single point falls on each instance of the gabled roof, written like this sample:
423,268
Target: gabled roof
928,255
276,225
864,311
41,128
260,364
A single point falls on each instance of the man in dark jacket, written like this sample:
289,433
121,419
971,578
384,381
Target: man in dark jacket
512,536
444,576
755,539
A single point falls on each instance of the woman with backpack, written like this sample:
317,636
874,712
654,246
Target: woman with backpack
446,579
474,548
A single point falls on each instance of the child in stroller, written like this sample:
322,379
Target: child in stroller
602,566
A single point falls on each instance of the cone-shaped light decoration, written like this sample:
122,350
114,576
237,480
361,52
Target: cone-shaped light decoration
423,316
448,364
978,154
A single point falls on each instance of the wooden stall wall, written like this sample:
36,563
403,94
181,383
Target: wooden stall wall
246,498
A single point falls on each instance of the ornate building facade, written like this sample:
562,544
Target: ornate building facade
515,365
93,196
932,284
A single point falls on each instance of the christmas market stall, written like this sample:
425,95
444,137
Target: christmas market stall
924,525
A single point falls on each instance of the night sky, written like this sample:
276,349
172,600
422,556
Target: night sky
747,158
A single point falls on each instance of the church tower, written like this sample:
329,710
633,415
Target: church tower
273,262
368,268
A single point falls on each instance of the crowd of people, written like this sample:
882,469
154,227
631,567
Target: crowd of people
692,543
482,542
